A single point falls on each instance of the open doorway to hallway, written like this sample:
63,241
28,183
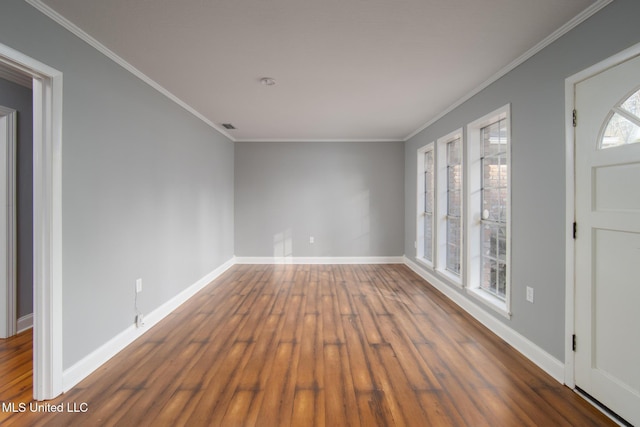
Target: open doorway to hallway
47,219
16,234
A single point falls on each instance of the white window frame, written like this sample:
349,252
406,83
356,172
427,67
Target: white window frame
442,207
420,213
473,228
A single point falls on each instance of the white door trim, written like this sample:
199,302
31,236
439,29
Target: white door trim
47,221
570,166
8,131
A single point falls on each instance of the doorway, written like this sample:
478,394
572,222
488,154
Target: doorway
606,336
8,285
47,220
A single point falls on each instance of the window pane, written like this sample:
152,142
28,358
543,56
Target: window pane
453,245
453,259
453,152
504,201
632,104
494,241
428,160
494,171
495,278
454,203
489,275
502,280
428,237
428,181
453,208
494,139
454,177
491,204
620,131
488,250
428,195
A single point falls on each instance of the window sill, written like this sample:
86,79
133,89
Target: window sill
491,301
451,278
424,263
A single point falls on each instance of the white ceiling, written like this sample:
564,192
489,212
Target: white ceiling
345,69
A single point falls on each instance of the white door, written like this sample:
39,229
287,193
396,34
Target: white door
607,304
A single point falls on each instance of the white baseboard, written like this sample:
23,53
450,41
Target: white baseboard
93,361
321,260
24,323
530,350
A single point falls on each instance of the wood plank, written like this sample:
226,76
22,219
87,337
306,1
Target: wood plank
316,345
341,407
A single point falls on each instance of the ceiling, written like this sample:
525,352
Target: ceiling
344,69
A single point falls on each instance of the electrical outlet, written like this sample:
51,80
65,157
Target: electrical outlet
139,285
530,294
312,240
139,321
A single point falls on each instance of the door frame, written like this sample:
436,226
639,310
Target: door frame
8,285
570,209
47,221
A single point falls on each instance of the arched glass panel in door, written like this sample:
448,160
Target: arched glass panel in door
623,123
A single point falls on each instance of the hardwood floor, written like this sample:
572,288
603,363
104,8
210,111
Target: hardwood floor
305,345
16,369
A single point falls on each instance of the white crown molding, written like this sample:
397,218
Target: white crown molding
100,356
321,260
74,29
577,20
318,140
584,15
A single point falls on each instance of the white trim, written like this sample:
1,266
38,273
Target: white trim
97,358
577,20
47,231
442,206
569,94
47,220
420,202
530,350
64,22
15,77
8,257
574,22
473,224
319,140
321,260
490,301
25,322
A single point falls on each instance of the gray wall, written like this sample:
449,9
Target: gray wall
347,195
147,188
536,93
20,99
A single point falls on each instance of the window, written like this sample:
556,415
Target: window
454,203
623,124
494,192
489,208
424,242
449,202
